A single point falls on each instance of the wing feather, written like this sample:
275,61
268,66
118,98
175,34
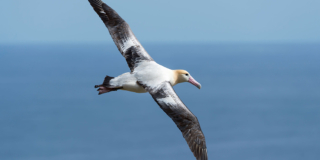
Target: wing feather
188,123
123,37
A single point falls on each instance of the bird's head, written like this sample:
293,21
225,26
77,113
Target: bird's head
184,76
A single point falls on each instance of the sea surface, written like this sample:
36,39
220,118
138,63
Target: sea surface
257,102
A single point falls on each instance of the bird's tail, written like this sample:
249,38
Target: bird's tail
105,87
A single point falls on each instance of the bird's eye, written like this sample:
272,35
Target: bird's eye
187,74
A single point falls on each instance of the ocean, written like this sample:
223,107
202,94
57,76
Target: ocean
257,102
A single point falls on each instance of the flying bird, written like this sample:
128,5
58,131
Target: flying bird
148,76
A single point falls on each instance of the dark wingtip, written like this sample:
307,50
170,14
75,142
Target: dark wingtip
96,3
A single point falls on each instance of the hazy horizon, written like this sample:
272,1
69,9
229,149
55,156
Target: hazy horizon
166,21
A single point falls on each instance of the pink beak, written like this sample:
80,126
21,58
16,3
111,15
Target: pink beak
194,82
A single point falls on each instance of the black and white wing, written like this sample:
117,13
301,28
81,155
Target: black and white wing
188,123
121,34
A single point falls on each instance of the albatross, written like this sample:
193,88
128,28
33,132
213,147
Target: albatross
148,76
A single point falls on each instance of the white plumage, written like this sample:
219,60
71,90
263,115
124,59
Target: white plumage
148,76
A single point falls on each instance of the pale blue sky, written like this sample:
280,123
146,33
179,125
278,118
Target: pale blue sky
59,21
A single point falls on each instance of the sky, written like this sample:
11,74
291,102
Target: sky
74,21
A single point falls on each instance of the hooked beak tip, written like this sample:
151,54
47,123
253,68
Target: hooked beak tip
195,83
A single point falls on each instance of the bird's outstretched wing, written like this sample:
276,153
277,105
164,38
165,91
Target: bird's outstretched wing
121,34
188,123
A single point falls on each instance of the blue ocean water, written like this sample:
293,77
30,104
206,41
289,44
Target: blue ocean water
257,102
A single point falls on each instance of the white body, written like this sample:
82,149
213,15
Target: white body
148,72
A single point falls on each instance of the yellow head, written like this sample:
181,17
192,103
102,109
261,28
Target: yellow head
184,76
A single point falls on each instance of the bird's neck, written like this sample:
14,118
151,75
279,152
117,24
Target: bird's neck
176,78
